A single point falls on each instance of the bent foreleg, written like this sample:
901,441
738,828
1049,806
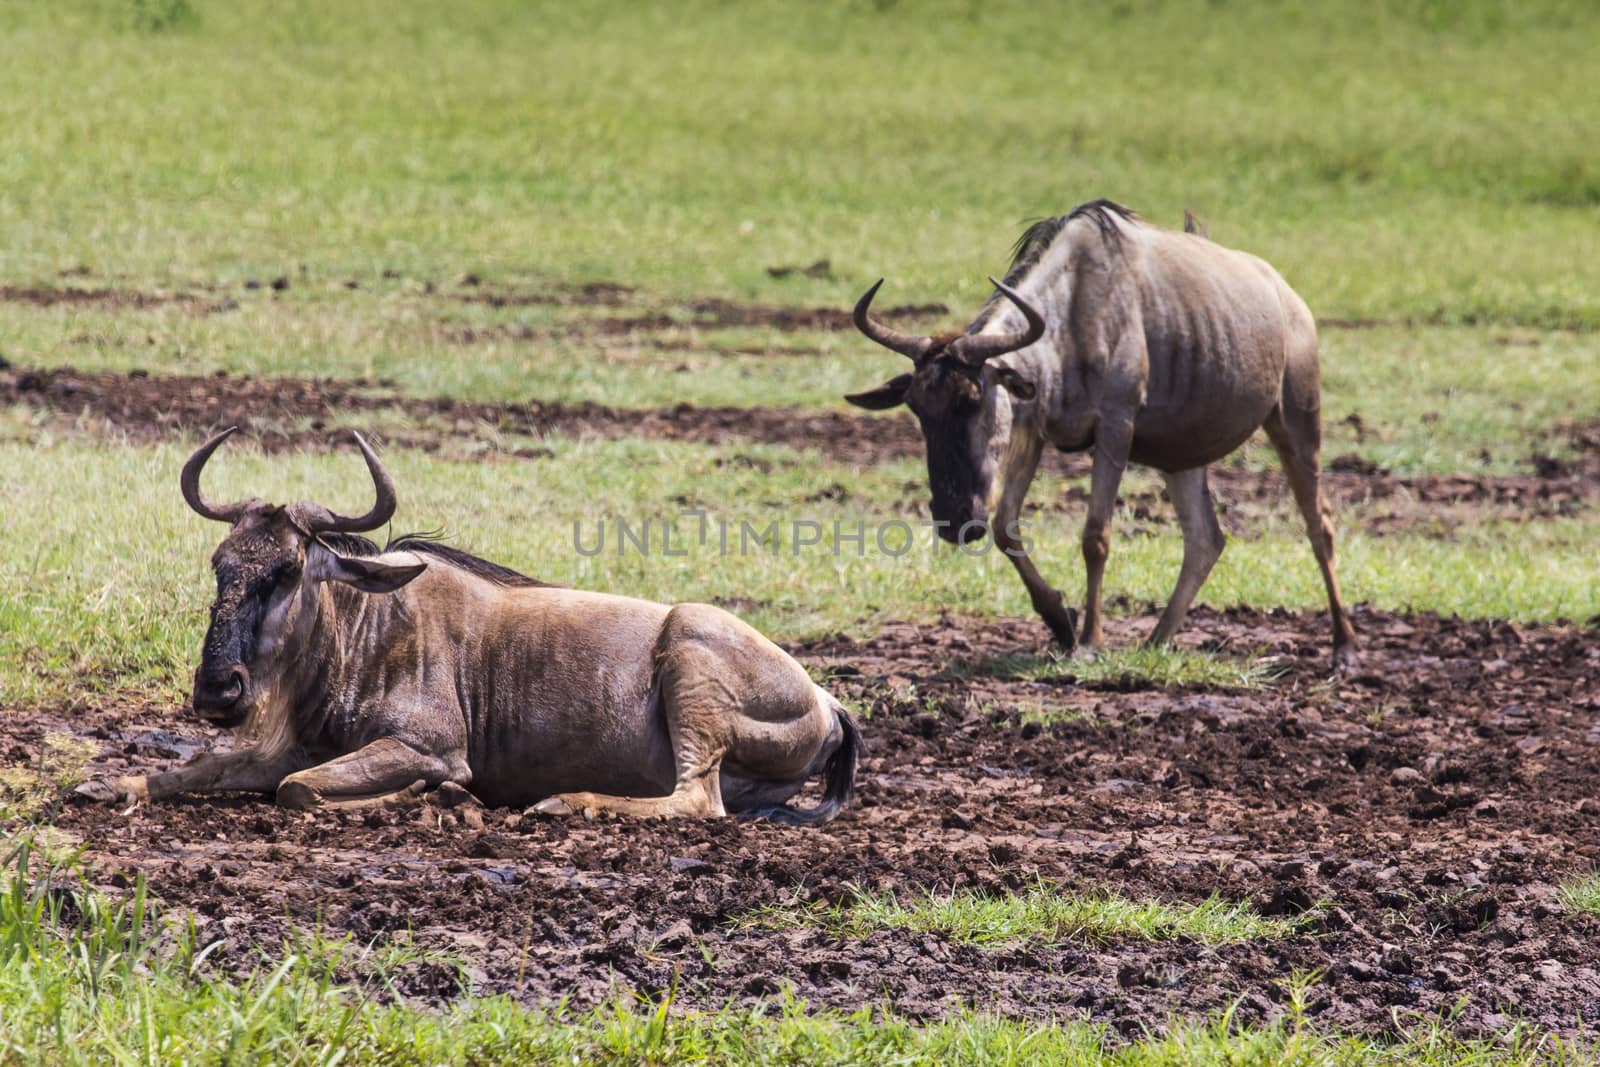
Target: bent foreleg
385,772
1007,534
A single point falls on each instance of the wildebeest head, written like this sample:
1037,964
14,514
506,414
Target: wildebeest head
963,403
270,554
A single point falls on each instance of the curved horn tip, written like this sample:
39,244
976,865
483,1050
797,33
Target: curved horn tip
1015,296
383,508
982,347
368,451
216,439
866,297
189,481
908,345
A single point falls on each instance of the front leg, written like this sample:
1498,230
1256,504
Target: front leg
1007,533
244,770
1046,598
1113,441
386,772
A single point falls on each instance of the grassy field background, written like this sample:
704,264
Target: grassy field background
1410,159
1423,172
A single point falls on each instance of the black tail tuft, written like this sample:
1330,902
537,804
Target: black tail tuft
840,775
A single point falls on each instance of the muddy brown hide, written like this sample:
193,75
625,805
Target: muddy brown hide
364,677
521,693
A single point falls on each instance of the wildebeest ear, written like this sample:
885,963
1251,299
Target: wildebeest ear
367,575
1015,384
890,394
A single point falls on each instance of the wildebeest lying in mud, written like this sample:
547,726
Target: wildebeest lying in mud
1152,346
363,676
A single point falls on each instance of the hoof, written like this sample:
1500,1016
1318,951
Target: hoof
451,795
412,796
128,789
1346,661
98,790
297,796
1064,628
554,806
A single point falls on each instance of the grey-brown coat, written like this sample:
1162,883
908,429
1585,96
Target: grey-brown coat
362,676
1137,344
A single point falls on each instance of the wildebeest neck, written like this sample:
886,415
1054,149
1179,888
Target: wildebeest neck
347,650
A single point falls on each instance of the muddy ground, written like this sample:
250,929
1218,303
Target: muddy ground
293,413
1418,815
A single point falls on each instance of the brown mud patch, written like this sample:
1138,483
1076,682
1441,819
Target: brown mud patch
712,313
589,295
290,413
107,299
643,313
1419,815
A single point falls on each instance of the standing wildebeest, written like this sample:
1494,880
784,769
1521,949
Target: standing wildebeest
364,676
1161,348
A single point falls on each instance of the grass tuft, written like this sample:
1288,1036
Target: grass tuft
1042,913
1135,668
1581,893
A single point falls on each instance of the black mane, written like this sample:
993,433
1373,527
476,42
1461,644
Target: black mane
1031,246
427,544
1041,234
1105,214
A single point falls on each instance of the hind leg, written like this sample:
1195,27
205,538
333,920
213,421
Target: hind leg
693,712
1202,546
733,702
1296,433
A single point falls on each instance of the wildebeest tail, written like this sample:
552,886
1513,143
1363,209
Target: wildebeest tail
839,777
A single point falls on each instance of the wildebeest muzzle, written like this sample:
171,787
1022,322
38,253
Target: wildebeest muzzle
219,694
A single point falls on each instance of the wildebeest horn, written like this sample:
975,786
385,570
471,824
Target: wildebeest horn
987,346
320,520
190,480
906,344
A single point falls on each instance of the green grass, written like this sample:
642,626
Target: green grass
1162,668
1581,893
107,588
1410,159
1042,913
114,981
